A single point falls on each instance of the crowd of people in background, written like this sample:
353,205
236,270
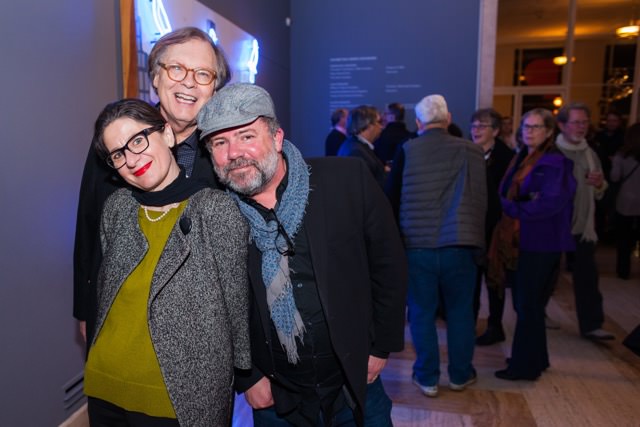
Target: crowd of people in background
553,187
211,257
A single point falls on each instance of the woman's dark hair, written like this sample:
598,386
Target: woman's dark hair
549,123
135,109
631,145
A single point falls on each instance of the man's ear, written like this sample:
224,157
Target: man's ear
168,136
278,139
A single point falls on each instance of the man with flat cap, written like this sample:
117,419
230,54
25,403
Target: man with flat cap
327,270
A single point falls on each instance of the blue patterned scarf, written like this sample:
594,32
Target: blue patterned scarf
275,267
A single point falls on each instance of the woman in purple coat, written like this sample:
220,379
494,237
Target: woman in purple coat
536,193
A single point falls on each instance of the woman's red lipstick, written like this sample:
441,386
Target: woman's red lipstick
142,170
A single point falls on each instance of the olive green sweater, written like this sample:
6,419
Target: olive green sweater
122,367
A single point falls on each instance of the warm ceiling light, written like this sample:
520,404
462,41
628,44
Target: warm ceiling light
562,60
557,101
628,31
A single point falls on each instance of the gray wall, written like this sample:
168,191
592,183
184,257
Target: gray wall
58,69
435,41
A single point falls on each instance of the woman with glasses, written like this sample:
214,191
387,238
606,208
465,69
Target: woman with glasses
537,196
172,319
185,70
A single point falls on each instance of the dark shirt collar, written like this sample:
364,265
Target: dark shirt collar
191,141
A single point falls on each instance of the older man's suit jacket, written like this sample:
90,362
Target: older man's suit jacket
353,147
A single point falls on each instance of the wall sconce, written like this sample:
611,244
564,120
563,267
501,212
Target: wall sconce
557,101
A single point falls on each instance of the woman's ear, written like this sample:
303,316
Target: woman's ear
168,136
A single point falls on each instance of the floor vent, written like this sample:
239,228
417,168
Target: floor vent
73,393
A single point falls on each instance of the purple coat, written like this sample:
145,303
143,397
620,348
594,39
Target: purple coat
544,205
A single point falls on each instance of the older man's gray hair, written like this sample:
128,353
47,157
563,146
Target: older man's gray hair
432,109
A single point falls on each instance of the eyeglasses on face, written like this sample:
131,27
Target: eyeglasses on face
532,127
178,72
578,122
137,144
481,126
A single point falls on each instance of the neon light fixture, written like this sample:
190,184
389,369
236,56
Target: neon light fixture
252,62
160,17
211,30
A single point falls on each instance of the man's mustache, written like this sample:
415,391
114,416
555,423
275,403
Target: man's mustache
239,163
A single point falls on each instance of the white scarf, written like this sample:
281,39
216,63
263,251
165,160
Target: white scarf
583,190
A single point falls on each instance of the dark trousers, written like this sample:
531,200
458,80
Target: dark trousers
585,287
377,412
496,303
627,228
105,414
535,276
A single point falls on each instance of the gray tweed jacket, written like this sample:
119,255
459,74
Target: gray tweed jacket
198,309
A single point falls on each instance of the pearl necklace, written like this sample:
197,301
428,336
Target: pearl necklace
146,213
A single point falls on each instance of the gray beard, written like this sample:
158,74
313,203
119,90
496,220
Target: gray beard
250,183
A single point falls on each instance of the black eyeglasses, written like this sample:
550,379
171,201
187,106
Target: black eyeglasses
289,248
137,144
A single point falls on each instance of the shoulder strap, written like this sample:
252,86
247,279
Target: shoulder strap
624,178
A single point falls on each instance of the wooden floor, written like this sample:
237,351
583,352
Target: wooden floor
588,384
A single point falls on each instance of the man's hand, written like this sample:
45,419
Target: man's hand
374,367
82,326
259,395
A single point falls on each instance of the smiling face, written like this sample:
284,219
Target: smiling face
181,101
483,134
154,168
247,158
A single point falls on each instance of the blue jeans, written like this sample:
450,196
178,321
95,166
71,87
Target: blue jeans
377,412
451,273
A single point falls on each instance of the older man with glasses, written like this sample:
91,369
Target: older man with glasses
185,68
574,120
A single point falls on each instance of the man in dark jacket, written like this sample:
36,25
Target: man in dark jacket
364,126
338,132
181,96
394,133
327,270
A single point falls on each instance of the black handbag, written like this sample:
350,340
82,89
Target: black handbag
632,341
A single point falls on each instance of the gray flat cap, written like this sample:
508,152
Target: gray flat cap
234,105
